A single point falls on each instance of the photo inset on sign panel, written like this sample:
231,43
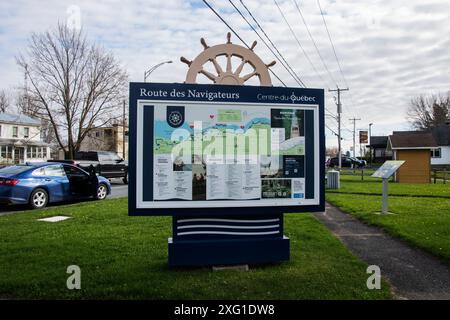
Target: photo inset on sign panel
288,135
271,166
198,182
276,188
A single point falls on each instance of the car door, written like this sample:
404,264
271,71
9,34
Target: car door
106,164
111,164
81,183
118,164
55,180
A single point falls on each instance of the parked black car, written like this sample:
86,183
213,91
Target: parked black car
107,164
347,162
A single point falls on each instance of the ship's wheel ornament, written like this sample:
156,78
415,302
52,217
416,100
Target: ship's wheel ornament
227,74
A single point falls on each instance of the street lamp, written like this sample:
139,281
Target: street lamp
149,71
370,144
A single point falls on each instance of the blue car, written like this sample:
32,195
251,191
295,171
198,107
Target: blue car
38,184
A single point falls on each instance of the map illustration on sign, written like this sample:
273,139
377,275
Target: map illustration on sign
388,169
231,153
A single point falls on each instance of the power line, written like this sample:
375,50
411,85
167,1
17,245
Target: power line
314,42
299,80
332,44
265,43
334,132
335,53
298,42
237,35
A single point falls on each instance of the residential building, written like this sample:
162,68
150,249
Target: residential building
109,138
440,156
414,147
377,149
20,140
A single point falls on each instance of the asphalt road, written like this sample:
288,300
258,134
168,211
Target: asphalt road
119,189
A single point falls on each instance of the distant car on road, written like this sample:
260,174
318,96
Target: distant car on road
107,164
38,184
347,162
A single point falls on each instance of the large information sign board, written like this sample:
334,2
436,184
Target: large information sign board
203,149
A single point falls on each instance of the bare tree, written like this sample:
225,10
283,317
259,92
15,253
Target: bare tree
427,112
74,85
4,101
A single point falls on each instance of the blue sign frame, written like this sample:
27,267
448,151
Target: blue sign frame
142,92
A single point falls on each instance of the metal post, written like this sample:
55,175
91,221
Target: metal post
370,144
149,71
339,137
384,200
354,135
123,131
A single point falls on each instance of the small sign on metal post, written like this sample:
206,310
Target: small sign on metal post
385,172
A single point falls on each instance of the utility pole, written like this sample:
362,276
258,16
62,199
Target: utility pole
339,111
370,144
354,135
123,130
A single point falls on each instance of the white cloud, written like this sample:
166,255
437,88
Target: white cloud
390,51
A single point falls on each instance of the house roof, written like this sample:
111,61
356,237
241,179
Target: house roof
412,140
22,142
441,135
378,141
18,119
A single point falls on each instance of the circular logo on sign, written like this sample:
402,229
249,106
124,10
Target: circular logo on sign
175,118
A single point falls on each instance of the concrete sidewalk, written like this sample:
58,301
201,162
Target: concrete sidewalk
413,274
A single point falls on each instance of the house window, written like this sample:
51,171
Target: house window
0,131
26,132
97,134
380,153
436,153
3,151
15,132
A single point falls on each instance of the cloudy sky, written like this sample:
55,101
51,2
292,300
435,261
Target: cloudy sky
389,51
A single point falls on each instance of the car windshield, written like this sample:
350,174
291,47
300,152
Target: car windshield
15,169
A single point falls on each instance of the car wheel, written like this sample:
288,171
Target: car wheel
125,179
102,191
38,199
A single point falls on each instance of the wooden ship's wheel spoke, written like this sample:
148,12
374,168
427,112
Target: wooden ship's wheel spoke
229,50
217,66
209,75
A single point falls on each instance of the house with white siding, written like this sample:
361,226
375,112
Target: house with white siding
440,156
20,140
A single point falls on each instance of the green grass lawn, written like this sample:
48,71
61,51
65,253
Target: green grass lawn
422,221
124,257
